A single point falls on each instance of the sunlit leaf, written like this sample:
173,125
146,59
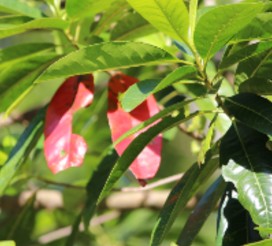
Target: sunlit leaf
78,9
226,21
170,17
207,142
107,56
42,23
62,148
259,29
7,243
19,7
266,242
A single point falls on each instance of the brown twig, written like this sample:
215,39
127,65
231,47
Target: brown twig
153,185
190,134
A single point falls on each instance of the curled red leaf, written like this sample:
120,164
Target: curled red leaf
62,148
146,165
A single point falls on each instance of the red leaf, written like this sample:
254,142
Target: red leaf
62,148
146,165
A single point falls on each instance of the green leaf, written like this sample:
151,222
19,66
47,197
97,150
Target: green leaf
78,9
192,180
201,212
252,110
19,7
7,243
130,27
226,21
11,20
20,152
43,23
139,92
207,142
235,226
18,53
97,182
20,73
137,145
170,17
246,53
113,14
109,158
246,162
165,112
266,242
256,66
259,29
256,85
107,56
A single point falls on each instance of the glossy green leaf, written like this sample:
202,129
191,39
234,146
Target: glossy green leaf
19,7
20,152
226,21
256,85
246,162
20,74
192,180
246,53
252,110
19,53
78,9
130,27
259,29
43,23
201,212
138,92
107,56
235,226
170,17
137,145
266,242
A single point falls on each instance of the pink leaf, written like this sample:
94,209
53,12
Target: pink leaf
62,148
146,165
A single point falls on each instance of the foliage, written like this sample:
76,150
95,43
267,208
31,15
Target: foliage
176,91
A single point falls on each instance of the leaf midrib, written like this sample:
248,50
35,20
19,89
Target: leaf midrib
249,109
171,24
252,171
218,34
